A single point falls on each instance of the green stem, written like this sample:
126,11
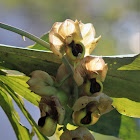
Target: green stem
74,96
26,34
67,65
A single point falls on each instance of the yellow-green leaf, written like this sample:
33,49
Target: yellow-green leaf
18,84
6,103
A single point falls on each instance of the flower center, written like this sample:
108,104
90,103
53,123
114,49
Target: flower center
94,87
41,121
76,48
87,118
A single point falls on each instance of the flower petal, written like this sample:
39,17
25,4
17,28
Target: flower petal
89,40
92,67
83,101
41,83
101,100
83,133
70,28
80,133
87,31
96,67
67,28
105,103
52,106
56,41
90,46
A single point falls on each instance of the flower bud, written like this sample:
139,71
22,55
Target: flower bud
41,83
40,78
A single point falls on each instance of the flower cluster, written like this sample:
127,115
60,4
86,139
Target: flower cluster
74,41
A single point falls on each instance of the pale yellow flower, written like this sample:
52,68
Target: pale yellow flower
89,68
88,109
73,38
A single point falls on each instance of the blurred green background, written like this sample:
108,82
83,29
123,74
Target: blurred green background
116,21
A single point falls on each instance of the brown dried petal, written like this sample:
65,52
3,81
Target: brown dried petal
105,103
83,101
81,133
102,102
52,106
91,67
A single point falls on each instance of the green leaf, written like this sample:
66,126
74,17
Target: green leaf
2,73
6,103
18,84
118,83
127,107
37,46
117,125
135,65
20,104
123,84
27,60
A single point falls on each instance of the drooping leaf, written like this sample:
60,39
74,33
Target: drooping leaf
23,109
37,46
18,84
127,107
6,103
117,125
123,84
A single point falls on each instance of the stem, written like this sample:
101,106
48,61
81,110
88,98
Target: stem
26,34
74,96
67,65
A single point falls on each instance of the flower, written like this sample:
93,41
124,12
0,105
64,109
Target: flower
51,106
47,125
91,67
80,133
42,84
73,38
89,75
52,112
88,109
